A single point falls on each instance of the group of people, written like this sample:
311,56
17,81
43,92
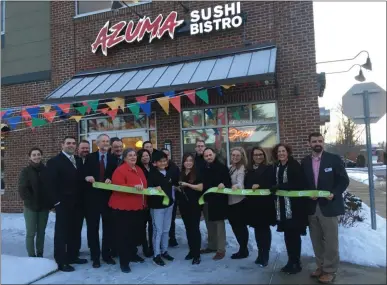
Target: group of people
66,184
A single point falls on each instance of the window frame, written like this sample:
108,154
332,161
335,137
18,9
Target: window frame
227,125
77,15
3,17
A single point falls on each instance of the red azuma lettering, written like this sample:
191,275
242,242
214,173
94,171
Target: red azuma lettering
110,37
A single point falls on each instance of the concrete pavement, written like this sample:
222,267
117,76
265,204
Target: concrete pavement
361,190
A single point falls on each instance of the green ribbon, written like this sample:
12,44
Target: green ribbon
132,190
265,192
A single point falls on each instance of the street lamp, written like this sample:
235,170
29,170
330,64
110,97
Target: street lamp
367,65
360,77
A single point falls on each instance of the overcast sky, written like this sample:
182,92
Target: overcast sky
343,29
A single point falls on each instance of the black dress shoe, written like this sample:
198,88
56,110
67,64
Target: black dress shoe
292,268
196,260
173,242
189,256
137,259
65,268
109,260
96,264
240,255
78,261
125,268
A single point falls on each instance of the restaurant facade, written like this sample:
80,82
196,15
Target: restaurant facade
230,73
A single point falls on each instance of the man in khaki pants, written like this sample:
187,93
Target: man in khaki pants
325,171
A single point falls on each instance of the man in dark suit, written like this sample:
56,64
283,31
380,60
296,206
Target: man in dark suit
117,148
325,171
63,180
99,167
82,151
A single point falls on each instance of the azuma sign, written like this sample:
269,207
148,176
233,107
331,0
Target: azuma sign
221,17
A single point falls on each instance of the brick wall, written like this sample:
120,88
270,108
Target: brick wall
18,143
287,24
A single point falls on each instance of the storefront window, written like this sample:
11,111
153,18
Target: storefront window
192,118
264,113
238,115
153,138
247,126
214,117
215,138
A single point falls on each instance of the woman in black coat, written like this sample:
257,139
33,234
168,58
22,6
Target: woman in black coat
37,202
191,187
144,162
261,209
215,174
291,213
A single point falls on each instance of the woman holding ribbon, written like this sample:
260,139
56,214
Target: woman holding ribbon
128,209
291,212
191,187
237,213
260,209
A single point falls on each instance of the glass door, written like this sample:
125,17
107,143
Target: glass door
130,139
133,139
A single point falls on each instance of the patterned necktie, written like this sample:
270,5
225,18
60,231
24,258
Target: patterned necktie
72,159
102,168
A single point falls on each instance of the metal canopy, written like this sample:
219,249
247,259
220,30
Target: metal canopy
229,68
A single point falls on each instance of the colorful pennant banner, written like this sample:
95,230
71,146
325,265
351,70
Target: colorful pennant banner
203,94
135,109
164,103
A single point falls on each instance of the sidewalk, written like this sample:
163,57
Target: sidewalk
361,190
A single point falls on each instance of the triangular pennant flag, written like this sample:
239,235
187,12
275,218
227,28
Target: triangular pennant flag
113,113
120,103
135,109
13,122
47,108
141,99
104,110
50,116
82,110
36,122
65,108
216,132
28,123
33,111
191,95
146,108
228,86
87,105
219,90
5,113
236,115
170,94
25,115
176,102
203,94
58,110
209,113
76,118
93,104
164,103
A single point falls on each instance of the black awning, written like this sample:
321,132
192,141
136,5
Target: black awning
247,65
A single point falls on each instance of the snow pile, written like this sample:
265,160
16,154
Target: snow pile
359,176
24,270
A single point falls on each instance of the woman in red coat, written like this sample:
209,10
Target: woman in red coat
128,209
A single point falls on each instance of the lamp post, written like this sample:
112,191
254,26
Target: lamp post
360,77
367,65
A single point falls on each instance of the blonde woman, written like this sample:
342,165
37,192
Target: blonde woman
237,203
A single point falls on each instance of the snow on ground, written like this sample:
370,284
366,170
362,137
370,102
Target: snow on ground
24,270
360,245
359,176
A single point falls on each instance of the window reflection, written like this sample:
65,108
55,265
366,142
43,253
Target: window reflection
238,115
127,122
215,138
193,118
264,112
214,117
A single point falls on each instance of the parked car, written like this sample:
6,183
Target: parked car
348,163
